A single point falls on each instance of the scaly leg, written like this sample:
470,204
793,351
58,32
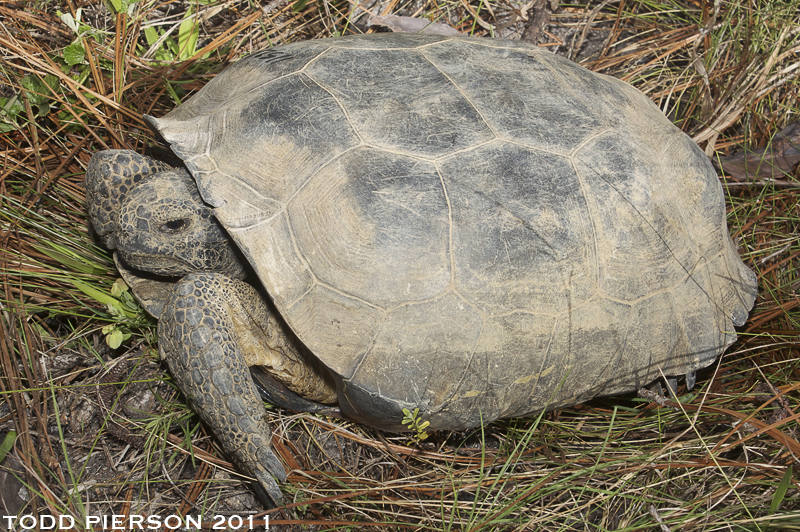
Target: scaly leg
213,328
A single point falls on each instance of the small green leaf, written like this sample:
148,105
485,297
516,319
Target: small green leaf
166,49
39,89
172,47
412,421
51,81
12,105
120,6
115,339
69,20
74,54
114,309
10,109
173,93
34,88
151,35
115,336
119,288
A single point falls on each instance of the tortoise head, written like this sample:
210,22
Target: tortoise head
154,217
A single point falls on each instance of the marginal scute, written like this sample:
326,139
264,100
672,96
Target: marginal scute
706,324
601,326
343,327
647,351
418,357
501,380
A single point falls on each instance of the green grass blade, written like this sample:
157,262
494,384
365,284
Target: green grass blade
780,491
105,299
8,444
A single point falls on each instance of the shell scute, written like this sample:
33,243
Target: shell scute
522,230
436,120
374,224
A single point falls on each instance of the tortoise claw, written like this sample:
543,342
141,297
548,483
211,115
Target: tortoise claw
672,386
266,468
691,379
268,490
656,388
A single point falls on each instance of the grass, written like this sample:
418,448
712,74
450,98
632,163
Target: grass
724,458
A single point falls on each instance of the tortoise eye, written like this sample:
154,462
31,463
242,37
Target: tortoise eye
172,226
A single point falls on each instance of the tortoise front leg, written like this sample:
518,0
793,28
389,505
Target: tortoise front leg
212,328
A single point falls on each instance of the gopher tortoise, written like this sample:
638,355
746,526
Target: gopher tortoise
473,227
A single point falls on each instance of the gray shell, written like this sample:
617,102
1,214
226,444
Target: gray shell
474,227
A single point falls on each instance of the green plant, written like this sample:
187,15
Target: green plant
168,50
36,90
122,309
413,422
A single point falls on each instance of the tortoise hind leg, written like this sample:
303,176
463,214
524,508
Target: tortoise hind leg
212,328
275,392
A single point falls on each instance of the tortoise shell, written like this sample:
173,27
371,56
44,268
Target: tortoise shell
473,227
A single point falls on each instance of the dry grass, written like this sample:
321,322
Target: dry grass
726,458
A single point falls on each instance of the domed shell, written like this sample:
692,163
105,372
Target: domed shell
473,227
